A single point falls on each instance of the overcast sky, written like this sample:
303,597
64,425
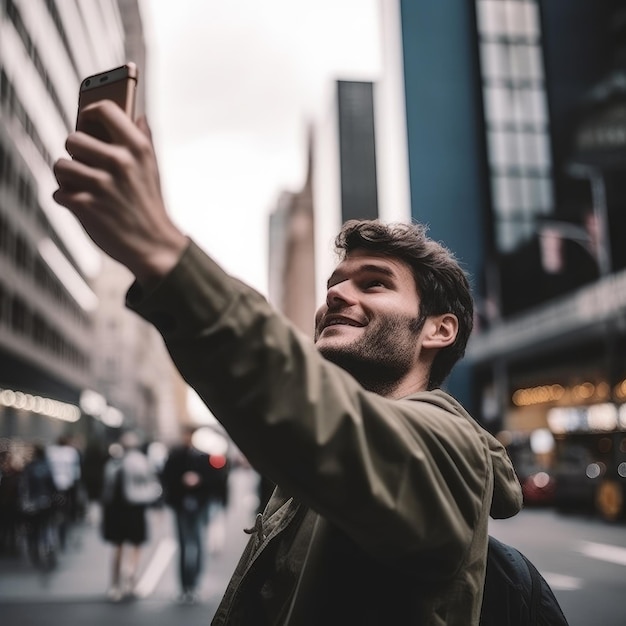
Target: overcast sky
232,86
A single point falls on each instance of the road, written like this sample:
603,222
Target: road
583,559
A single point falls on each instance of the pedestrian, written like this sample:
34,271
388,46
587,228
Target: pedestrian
130,485
39,498
65,463
10,472
190,482
384,482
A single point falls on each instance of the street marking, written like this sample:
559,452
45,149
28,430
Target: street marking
603,552
559,582
156,567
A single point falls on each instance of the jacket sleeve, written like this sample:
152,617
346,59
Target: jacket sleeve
418,469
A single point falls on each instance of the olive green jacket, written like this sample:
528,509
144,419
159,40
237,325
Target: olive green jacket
382,508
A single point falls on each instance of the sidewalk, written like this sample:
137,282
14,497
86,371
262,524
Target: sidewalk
82,570
82,573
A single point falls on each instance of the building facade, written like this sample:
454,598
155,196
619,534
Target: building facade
61,302
291,275
516,133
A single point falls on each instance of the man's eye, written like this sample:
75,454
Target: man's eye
370,284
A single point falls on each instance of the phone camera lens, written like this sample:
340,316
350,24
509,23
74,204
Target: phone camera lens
87,83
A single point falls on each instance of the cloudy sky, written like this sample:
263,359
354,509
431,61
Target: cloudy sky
232,87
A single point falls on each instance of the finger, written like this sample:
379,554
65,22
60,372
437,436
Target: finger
74,201
109,116
90,150
60,165
74,175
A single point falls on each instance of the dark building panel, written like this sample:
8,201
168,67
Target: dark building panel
580,45
357,150
18,374
445,129
445,125
585,64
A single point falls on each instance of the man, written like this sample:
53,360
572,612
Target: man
189,483
65,463
37,496
385,483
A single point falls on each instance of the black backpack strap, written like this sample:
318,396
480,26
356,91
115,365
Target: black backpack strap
535,590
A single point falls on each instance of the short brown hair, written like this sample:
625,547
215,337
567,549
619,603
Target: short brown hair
442,284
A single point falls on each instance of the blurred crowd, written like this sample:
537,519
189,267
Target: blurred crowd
42,496
48,489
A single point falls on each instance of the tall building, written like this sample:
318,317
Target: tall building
360,169
516,128
357,150
493,127
501,125
57,292
291,279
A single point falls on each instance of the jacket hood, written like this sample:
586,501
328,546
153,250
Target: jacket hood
507,491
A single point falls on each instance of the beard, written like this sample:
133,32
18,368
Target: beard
382,356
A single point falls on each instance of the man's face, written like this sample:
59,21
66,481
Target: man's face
369,323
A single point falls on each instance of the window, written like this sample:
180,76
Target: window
516,117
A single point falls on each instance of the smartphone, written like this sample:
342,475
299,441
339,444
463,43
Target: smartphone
118,84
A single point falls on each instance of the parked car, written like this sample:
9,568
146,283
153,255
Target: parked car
538,488
576,477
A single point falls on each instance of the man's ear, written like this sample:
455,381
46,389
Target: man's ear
440,331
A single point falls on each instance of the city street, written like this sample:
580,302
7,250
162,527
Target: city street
582,558
75,591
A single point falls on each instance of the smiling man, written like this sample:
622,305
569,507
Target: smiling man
376,288
384,482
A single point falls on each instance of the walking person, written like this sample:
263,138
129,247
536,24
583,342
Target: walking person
10,515
38,497
130,485
384,482
190,482
65,463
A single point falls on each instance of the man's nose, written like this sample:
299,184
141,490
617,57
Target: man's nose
340,294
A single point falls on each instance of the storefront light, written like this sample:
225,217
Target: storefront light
563,419
112,417
584,391
538,395
545,394
620,390
541,441
92,402
602,417
594,470
21,401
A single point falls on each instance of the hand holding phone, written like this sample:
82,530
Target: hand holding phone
118,84
116,193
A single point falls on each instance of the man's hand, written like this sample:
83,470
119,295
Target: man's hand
114,190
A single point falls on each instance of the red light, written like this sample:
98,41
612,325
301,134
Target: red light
218,461
541,480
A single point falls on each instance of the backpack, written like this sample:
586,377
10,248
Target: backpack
140,482
36,488
515,593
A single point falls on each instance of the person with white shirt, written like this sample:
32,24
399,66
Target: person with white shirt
65,463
